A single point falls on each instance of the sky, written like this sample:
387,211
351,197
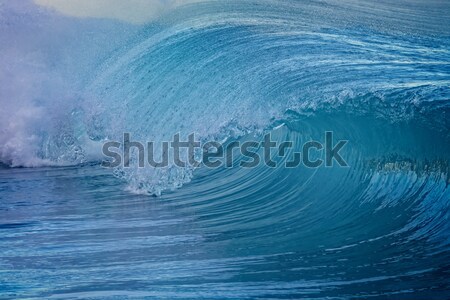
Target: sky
132,11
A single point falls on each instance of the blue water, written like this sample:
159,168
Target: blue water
376,74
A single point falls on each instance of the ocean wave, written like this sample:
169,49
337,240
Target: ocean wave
375,74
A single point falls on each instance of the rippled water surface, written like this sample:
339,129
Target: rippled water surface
74,233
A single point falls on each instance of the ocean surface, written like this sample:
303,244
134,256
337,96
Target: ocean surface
376,74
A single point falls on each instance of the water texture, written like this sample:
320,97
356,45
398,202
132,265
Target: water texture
376,74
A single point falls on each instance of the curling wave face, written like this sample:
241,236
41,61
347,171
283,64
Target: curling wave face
231,70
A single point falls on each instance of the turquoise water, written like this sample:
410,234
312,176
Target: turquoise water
375,74
73,233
